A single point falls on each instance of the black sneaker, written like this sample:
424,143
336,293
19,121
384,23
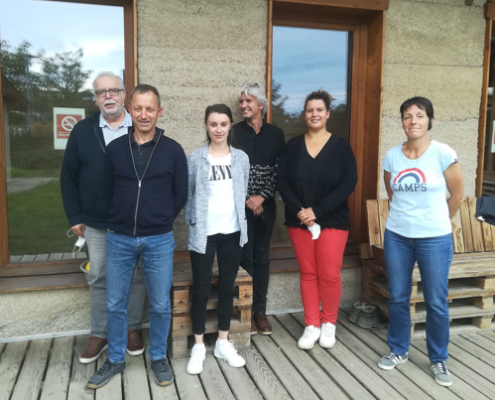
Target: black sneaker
163,373
104,374
372,317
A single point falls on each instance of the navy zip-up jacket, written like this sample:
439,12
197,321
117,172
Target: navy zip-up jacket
81,177
149,206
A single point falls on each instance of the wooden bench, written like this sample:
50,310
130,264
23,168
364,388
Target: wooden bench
471,277
181,337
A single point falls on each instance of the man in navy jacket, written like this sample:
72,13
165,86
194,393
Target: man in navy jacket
83,195
146,183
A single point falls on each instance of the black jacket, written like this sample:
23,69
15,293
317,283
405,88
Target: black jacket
81,178
263,150
148,206
335,178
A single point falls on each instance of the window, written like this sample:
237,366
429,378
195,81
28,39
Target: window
47,65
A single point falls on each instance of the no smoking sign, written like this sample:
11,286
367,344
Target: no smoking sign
64,120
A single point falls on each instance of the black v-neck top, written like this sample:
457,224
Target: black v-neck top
323,183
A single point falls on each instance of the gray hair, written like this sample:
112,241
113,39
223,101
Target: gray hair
257,91
107,73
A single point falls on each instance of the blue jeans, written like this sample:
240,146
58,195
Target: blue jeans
122,254
434,256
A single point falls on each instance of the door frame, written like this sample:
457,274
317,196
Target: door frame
368,27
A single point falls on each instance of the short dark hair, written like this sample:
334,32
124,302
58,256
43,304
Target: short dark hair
421,102
319,95
144,88
221,109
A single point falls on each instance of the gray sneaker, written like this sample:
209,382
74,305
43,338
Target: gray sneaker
357,308
104,374
391,360
163,373
371,317
442,374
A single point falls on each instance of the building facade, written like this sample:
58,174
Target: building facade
200,52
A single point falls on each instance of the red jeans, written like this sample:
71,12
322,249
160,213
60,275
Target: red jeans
319,262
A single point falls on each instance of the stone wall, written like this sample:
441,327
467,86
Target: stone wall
434,48
198,53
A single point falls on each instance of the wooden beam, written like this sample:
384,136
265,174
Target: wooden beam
490,10
377,5
4,230
373,115
483,108
269,54
135,42
129,49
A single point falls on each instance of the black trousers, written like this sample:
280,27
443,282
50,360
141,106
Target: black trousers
228,256
256,252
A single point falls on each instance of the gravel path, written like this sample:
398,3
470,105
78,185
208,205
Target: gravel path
17,185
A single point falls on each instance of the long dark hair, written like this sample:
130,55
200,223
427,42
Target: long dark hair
222,109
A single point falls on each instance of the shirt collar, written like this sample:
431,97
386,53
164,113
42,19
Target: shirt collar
263,125
126,122
152,141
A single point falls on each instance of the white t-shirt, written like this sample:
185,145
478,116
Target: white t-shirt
222,215
419,207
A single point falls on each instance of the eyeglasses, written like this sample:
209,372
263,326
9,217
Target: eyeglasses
112,92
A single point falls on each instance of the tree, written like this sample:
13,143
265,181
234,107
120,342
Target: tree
63,73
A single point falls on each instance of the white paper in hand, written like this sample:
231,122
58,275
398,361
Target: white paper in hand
315,230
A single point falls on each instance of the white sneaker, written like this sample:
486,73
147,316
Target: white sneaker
308,339
327,338
225,350
195,364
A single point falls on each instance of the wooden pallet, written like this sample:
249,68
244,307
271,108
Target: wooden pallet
181,335
471,276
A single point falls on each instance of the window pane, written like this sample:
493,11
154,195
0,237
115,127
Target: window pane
51,52
305,60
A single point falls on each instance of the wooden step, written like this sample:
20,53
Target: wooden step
463,267
458,288
458,309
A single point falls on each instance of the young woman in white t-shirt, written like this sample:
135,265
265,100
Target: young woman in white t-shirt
417,175
215,213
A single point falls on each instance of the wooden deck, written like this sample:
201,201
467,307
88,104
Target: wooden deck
275,369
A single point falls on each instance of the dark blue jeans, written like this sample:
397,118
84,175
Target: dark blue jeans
434,256
122,255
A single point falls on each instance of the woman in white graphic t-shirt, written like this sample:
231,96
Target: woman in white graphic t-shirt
417,175
215,213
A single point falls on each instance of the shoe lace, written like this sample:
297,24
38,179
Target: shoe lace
393,357
328,328
107,366
196,351
230,349
161,366
440,368
308,331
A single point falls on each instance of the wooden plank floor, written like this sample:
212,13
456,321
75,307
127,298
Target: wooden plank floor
275,369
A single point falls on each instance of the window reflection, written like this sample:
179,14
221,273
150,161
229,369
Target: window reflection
305,60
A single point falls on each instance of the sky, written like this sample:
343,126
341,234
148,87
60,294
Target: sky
305,60
57,27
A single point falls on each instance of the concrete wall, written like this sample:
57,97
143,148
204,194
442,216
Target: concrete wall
198,53
434,48
66,311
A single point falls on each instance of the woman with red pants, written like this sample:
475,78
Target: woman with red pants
317,173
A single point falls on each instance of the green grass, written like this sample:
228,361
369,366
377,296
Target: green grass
37,221
34,173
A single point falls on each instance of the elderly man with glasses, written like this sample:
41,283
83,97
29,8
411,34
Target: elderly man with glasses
83,196
263,143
